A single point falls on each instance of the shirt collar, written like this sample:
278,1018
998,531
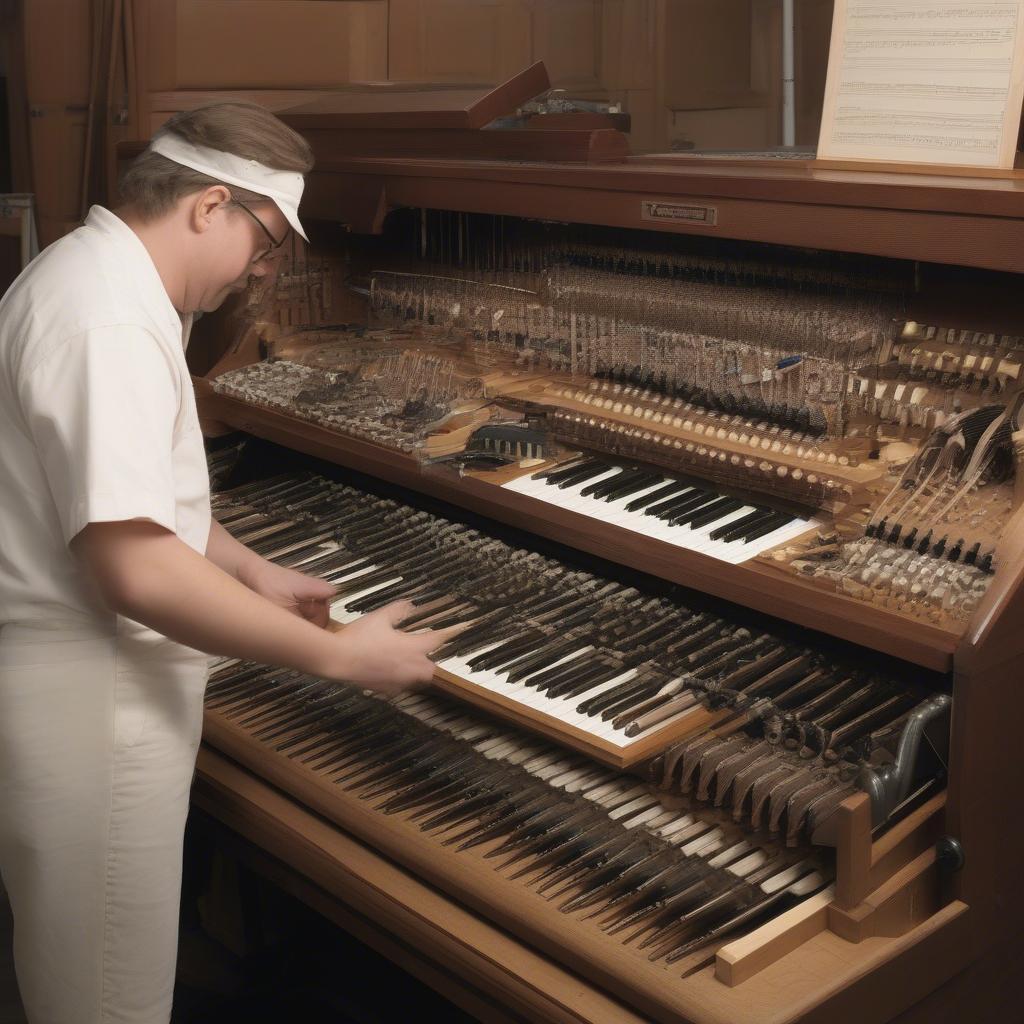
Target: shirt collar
135,260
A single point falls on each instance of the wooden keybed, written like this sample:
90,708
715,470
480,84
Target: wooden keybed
475,964
890,918
971,914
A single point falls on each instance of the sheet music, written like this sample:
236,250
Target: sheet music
924,81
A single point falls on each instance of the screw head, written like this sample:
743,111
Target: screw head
949,854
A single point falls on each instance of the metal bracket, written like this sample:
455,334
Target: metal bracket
890,785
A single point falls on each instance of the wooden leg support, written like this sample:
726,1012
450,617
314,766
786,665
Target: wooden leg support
883,888
743,958
896,906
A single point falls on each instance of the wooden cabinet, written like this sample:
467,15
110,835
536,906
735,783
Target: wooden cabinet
266,44
57,87
471,41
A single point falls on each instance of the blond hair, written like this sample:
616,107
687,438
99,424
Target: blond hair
153,184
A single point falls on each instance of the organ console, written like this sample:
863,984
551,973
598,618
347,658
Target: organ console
569,388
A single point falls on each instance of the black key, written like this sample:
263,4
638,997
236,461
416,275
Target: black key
647,480
684,503
683,515
709,513
565,467
655,496
609,483
766,527
663,506
740,526
581,475
777,521
555,476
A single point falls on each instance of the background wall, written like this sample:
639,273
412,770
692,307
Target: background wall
691,73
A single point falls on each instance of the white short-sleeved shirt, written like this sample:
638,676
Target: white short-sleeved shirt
97,418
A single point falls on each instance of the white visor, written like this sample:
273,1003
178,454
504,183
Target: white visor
283,187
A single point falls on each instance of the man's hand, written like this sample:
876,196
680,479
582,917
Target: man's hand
146,573
377,655
304,596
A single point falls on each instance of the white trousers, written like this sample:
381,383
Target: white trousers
98,740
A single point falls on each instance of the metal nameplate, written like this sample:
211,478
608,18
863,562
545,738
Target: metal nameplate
652,209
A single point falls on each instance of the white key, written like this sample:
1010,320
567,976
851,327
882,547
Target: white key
339,608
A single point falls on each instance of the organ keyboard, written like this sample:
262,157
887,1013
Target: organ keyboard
826,437
671,509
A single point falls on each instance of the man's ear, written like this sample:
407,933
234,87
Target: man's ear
203,205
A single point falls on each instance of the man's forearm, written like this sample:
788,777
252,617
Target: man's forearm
151,576
229,554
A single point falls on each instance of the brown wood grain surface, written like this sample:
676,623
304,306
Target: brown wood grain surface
457,952
824,971
397,106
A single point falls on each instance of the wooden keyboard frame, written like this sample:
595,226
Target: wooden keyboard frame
754,584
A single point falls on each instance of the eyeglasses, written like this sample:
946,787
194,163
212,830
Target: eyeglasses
274,243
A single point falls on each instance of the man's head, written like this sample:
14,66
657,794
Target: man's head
209,236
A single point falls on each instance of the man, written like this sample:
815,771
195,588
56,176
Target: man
112,575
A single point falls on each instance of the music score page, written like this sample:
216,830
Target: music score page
924,81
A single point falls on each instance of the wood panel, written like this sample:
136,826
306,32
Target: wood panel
567,36
468,960
710,44
286,43
970,222
260,44
813,34
572,145
471,41
57,49
630,67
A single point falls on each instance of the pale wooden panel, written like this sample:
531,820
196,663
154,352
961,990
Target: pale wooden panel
57,47
490,40
156,45
567,37
734,128
276,43
58,149
57,44
766,64
629,44
813,34
708,52
478,41
645,119
233,44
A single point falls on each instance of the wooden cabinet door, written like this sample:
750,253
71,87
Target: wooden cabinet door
260,44
470,41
